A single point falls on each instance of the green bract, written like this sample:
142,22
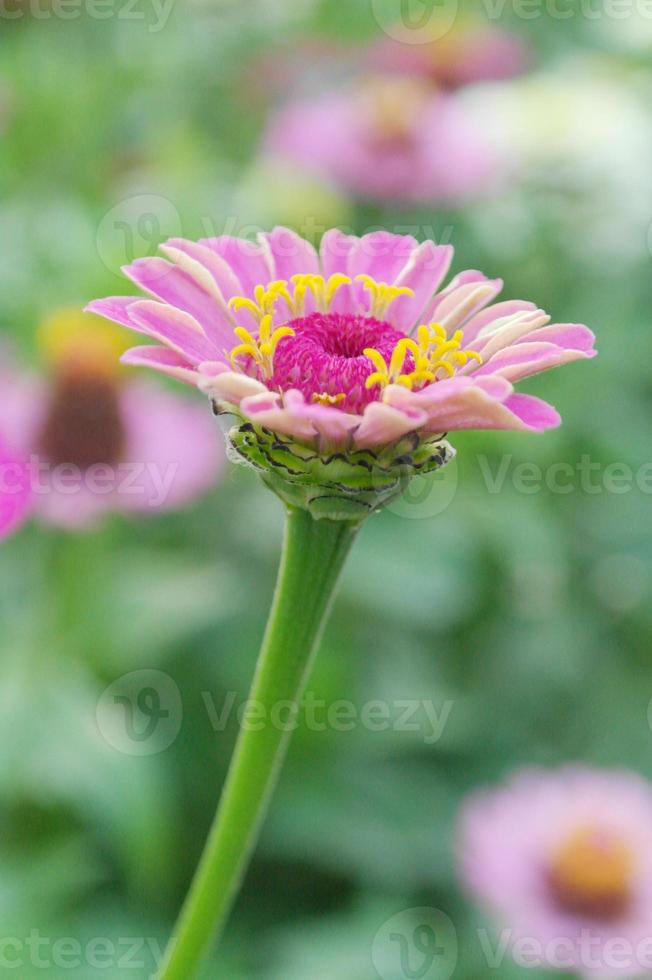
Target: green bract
338,485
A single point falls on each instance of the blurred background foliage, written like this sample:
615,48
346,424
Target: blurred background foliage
528,613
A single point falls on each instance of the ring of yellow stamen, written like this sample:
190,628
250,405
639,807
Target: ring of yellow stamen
260,349
432,353
382,294
326,399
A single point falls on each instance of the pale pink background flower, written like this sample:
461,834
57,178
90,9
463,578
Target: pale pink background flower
563,859
388,138
470,52
15,490
171,450
193,320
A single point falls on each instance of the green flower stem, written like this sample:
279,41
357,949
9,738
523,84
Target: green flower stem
313,555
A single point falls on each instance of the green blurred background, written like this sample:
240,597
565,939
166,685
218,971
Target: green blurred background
520,612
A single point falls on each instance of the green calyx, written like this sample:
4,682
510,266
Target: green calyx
341,485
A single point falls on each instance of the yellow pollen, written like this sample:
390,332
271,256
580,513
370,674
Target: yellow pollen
382,295
591,874
260,349
325,399
433,354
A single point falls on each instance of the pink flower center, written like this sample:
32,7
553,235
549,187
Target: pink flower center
325,358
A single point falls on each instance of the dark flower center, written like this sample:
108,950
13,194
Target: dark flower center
84,423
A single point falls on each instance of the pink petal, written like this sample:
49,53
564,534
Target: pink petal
163,360
251,262
463,403
382,423
522,360
115,308
423,274
178,288
491,314
175,328
533,412
16,495
290,253
572,335
229,386
175,443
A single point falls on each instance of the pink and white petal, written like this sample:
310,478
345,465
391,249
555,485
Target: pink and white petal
335,251
423,273
523,360
572,335
381,255
385,423
16,496
453,311
291,254
331,423
181,289
175,328
164,360
230,386
533,412
267,409
443,299
503,333
173,445
499,311
251,262
114,308
460,403
208,271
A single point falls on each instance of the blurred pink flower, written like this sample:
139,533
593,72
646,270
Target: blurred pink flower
15,491
356,346
470,52
99,442
563,860
388,137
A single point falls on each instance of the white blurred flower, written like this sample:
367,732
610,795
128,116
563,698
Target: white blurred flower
579,141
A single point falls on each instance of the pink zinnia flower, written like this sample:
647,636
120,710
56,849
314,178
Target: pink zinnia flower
97,441
388,137
470,52
355,346
564,861
15,490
